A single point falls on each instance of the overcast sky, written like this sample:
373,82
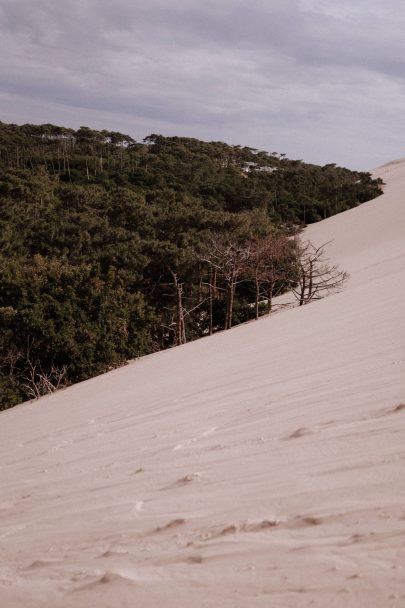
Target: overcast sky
320,80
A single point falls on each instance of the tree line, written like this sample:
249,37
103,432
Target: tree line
111,248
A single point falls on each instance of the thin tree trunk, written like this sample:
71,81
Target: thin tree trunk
180,324
230,300
303,287
68,167
270,296
211,299
311,280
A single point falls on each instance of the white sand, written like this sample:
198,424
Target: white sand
264,466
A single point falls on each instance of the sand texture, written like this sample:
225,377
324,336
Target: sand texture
264,466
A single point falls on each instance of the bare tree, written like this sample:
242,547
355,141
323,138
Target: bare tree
266,255
235,257
212,292
9,359
226,258
315,277
180,323
174,322
39,382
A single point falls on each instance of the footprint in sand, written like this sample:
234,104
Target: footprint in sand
113,552
174,523
390,410
115,579
183,481
185,444
137,508
301,432
263,526
188,442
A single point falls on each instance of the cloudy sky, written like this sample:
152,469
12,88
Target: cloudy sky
321,80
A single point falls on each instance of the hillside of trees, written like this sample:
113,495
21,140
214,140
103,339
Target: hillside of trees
111,248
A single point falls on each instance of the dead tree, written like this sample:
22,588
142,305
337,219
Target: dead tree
212,293
177,315
315,277
180,323
214,260
211,283
9,359
265,259
39,382
227,259
236,257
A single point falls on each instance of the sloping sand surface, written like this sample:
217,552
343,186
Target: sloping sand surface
264,466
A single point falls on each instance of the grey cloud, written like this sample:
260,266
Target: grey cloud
272,74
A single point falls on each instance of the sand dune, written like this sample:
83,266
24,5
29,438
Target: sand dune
264,466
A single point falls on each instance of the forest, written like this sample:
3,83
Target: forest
111,248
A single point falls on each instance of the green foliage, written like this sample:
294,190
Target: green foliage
94,226
59,316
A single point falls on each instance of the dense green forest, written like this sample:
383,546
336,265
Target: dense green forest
110,248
